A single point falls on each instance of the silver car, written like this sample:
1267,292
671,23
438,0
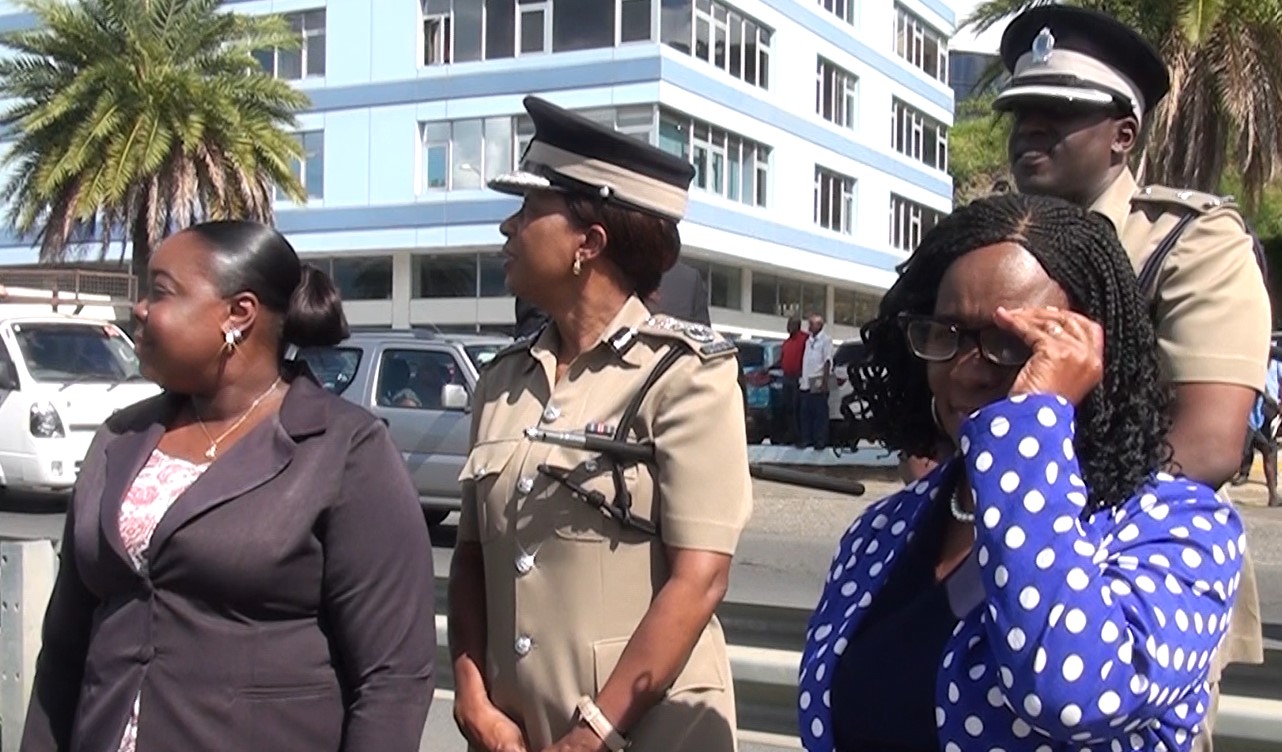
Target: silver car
420,384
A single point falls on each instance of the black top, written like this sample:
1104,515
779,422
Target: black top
883,694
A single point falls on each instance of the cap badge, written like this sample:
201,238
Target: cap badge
1043,46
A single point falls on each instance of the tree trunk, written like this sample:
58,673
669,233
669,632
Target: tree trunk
141,248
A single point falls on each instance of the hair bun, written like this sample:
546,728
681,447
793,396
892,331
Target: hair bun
315,317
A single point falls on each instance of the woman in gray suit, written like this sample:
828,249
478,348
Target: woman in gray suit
245,566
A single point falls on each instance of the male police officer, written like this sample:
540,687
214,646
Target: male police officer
1082,85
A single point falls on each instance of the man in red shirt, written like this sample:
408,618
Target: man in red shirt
790,355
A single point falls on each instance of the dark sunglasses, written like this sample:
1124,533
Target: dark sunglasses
940,341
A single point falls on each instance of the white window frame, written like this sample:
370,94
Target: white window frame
308,35
842,187
843,9
842,99
521,10
910,43
425,146
908,222
445,29
301,172
655,8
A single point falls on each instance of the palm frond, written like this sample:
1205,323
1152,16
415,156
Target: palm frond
135,118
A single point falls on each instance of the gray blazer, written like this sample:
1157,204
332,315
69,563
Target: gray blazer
288,603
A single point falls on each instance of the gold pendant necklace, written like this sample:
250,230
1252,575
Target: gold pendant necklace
212,451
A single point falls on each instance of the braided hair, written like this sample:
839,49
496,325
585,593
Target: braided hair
1121,425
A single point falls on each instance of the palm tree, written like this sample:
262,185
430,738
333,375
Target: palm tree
135,118
1224,110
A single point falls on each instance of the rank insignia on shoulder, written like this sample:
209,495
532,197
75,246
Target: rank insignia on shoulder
623,340
1196,200
689,329
717,348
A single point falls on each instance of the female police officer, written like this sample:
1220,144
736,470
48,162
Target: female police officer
608,483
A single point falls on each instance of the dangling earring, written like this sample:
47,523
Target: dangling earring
231,338
578,266
934,413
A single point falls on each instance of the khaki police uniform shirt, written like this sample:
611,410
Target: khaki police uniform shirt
566,585
1212,320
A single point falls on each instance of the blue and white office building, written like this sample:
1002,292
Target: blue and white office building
819,129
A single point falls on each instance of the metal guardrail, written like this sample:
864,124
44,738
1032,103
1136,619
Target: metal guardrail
764,642
764,649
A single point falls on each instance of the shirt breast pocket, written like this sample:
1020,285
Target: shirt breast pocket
487,470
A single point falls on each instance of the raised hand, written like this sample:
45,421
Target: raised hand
1068,351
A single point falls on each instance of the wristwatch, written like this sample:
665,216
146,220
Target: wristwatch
601,725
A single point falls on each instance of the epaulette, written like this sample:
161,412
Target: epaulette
520,344
1196,200
700,338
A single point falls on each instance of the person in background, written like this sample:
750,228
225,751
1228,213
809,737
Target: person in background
1262,435
1082,86
584,582
790,354
1040,589
816,374
245,565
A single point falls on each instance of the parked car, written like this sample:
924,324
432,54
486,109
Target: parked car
755,358
420,384
60,378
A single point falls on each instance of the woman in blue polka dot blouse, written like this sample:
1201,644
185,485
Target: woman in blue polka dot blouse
1056,585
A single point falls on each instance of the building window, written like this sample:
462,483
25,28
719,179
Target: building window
921,45
834,201
306,61
636,21
636,121
310,169
843,9
359,277
724,283
853,308
835,93
720,35
456,31
464,154
918,136
459,276
725,163
782,296
534,27
909,221
436,40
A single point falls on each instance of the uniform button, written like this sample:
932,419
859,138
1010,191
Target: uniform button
525,485
524,563
551,413
148,652
523,645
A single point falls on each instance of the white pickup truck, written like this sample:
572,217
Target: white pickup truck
61,376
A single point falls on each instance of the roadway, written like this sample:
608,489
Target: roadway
782,561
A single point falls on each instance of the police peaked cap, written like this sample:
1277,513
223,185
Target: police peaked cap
1080,55
572,154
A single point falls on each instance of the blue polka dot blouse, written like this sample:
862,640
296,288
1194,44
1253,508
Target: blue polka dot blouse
1093,631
